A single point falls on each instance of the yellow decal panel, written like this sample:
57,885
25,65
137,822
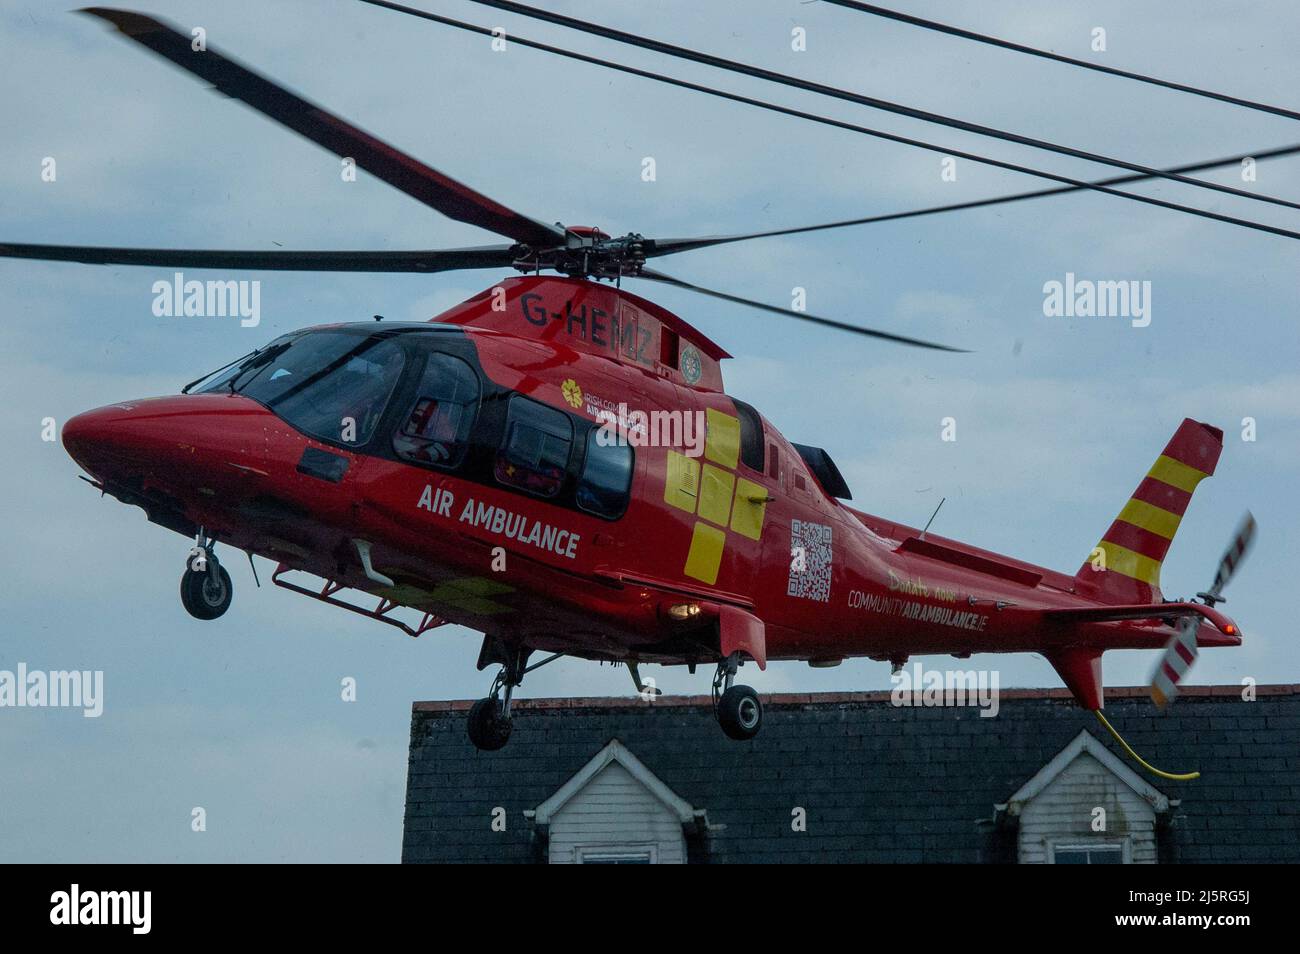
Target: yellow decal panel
722,438
715,494
473,595
705,556
750,509
682,486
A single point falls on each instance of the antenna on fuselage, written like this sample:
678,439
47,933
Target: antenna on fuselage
932,516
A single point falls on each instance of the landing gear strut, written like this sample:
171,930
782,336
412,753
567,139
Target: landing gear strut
489,721
206,589
737,707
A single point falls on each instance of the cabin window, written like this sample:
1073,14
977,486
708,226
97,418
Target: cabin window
606,477
535,451
751,436
437,427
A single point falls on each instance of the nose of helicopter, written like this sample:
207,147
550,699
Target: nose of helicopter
166,435
100,440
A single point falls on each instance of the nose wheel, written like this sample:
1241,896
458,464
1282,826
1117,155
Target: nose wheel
206,590
739,711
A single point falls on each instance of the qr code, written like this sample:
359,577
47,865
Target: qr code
810,561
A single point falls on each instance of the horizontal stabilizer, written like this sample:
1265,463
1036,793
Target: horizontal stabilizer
1106,614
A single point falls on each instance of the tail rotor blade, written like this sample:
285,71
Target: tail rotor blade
1235,553
1180,652
1179,655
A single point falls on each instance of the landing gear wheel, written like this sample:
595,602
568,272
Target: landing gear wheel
740,713
488,726
202,596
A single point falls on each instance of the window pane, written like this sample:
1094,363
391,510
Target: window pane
332,384
1088,855
535,452
437,429
629,859
1106,856
606,477
751,436
220,379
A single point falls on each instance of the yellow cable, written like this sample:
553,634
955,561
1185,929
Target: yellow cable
1137,758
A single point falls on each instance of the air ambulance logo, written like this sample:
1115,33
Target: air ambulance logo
711,490
572,393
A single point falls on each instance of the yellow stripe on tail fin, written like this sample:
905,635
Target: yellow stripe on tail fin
1124,567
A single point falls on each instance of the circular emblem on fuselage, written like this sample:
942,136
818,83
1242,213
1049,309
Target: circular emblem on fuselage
689,363
572,392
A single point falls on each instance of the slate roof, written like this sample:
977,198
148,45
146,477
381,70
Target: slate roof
879,783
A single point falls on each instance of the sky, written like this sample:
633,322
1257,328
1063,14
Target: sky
1057,418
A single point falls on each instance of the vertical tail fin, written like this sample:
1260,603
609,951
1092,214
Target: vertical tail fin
1125,566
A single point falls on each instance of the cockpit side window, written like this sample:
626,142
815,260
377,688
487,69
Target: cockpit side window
751,436
436,430
344,402
333,385
534,453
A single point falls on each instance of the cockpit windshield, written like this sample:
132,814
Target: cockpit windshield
332,384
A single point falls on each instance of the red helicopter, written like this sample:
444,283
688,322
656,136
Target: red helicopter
555,463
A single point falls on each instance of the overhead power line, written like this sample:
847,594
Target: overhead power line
852,127
874,10
687,244
796,82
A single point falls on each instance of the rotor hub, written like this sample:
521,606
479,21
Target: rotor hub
587,252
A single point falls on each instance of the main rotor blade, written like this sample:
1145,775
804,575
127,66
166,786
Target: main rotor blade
431,260
436,190
661,247
655,276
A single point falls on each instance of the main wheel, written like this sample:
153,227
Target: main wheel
488,727
740,713
204,597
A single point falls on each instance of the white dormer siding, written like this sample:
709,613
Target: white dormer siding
614,814
614,809
1062,815
1057,809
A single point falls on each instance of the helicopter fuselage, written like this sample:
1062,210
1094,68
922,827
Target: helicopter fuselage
498,478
